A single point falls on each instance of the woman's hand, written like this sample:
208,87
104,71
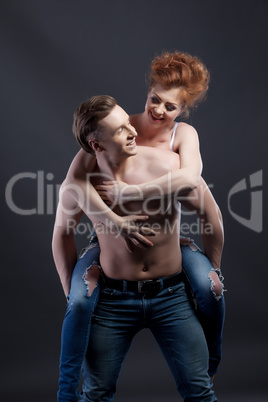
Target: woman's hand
117,192
133,229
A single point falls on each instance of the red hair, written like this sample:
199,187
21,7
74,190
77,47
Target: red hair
184,71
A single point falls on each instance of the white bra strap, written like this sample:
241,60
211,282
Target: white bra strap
173,136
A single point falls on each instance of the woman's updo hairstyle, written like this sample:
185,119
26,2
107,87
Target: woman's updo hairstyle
173,70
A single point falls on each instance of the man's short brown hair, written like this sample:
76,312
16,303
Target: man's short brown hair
87,117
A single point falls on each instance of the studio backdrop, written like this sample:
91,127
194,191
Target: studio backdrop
56,54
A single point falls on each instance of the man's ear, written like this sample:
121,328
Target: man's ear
95,145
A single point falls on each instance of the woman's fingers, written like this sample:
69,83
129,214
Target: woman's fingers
144,228
142,240
105,185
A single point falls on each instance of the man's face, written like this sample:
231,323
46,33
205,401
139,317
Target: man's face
119,135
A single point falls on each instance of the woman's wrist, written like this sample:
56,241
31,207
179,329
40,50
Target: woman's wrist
112,219
130,193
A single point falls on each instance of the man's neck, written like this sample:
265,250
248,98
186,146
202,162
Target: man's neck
116,169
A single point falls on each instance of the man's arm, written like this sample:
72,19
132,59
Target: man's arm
202,201
76,199
63,245
69,212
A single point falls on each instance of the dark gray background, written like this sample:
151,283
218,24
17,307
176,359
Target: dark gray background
55,54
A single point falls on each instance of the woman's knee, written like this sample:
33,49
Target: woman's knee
91,277
203,278
82,289
215,284
208,288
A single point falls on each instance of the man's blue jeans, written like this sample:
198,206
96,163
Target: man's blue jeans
76,324
120,315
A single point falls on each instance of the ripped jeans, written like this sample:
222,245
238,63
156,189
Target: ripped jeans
210,310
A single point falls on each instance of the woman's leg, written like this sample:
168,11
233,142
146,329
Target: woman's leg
82,300
207,289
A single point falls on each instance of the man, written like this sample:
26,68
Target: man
140,286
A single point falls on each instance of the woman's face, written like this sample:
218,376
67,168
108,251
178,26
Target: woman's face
163,105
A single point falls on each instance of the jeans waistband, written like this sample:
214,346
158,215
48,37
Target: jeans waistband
146,286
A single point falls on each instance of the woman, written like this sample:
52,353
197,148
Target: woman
177,82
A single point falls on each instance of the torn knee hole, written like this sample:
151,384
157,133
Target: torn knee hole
91,277
216,285
192,246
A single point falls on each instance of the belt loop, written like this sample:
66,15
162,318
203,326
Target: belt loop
124,285
161,284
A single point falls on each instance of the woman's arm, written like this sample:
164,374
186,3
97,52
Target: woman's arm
180,181
78,185
187,177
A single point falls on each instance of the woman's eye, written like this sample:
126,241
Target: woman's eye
170,108
120,130
154,99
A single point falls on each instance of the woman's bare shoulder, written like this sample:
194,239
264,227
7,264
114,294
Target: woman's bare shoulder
186,135
185,128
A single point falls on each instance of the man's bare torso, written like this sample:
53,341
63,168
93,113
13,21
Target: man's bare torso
164,258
